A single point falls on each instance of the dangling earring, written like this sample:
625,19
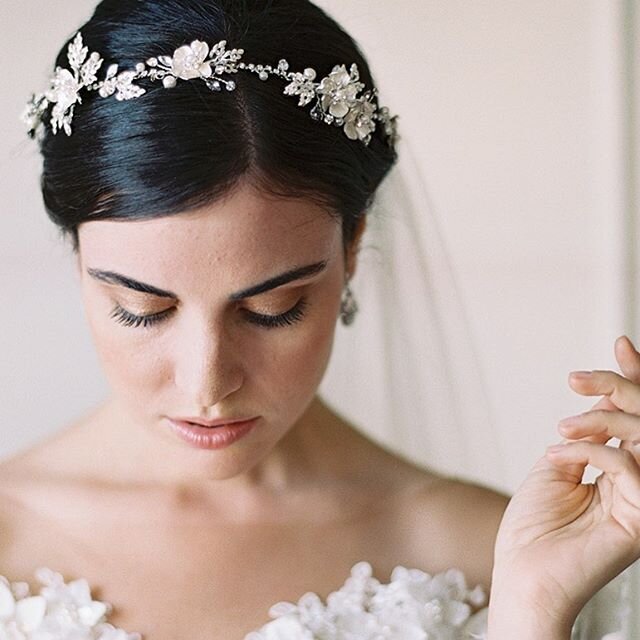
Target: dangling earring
348,306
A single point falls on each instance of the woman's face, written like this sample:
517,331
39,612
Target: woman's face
209,346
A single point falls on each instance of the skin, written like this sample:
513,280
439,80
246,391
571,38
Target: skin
211,539
561,540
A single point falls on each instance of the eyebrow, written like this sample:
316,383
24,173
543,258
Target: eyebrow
284,278
111,277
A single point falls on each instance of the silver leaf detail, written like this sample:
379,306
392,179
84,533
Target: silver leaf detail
76,53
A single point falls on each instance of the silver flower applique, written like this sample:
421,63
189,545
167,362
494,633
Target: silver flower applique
65,85
195,60
190,61
339,90
359,123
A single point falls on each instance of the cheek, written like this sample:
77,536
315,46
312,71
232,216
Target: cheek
294,363
132,364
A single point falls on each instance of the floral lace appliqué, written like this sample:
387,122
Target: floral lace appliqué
60,611
413,606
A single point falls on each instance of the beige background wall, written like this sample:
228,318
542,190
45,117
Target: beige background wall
519,116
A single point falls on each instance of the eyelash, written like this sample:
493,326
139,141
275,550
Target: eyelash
129,319
288,318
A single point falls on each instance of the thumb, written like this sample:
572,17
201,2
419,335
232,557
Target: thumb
628,358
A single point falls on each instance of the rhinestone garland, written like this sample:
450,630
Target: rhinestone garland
336,95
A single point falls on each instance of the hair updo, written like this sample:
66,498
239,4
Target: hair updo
175,150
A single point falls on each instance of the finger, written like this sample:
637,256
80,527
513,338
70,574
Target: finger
600,438
628,358
603,404
601,425
623,393
611,460
574,469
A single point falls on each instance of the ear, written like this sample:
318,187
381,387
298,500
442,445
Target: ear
354,247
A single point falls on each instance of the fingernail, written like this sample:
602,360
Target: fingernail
581,375
567,424
571,418
556,448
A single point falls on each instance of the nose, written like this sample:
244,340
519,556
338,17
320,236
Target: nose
207,369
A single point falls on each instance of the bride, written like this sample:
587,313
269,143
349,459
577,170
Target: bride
212,164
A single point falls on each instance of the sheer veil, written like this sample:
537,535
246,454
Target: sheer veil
407,372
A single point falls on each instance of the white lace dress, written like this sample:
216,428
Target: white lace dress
412,606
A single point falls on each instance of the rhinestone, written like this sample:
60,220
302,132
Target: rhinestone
219,70
231,85
140,67
95,56
263,75
169,82
152,62
259,67
310,73
284,65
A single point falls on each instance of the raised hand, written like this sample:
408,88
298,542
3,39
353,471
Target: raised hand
560,540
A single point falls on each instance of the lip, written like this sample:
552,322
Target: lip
211,423
216,437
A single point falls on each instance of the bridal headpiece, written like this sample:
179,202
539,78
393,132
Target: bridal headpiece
338,97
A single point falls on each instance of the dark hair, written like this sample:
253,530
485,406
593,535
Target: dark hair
176,150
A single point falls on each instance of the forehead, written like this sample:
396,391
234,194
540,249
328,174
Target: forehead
247,233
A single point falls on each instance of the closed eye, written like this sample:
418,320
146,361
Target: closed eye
288,318
128,319
295,314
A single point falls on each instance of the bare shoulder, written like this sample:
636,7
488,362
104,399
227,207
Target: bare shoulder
437,522
471,501
453,523
464,518
27,493
11,512
434,522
